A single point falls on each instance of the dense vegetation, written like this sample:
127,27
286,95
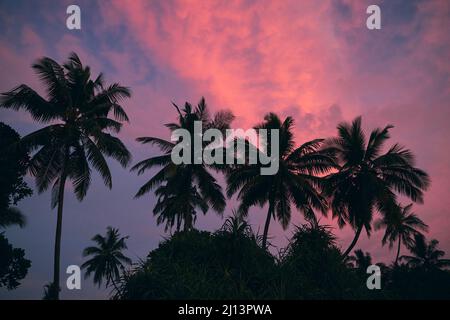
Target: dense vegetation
13,164
231,264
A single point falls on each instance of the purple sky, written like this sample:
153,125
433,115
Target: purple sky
313,60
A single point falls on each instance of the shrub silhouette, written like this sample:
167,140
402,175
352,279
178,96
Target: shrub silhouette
202,265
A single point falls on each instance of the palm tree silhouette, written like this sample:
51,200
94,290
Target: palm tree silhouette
182,189
367,180
295,182
401,225
107,258
78,134
360,260
426,255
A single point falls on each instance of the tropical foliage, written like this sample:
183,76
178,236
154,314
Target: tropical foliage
296,182
13,264
13,163
426,255
230,264
202,265
401,226
369,179
200,190
353,176
106,260
311,267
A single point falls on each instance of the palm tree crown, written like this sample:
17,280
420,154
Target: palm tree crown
107,258
183,189
426,255
368,179
401,225
78,137
295,182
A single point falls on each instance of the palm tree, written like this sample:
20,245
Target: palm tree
360,260
401,225
107,258
295,182
185,188
367,180
426,255
77,135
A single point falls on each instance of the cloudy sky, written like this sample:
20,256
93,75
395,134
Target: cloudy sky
313,60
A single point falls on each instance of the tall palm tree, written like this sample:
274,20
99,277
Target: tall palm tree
78,134
183,189
107,260
295,182
368,180
426,255
401,225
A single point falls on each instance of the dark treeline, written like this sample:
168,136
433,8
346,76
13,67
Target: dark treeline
231,264
358,178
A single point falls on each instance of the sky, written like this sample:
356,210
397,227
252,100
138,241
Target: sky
313,60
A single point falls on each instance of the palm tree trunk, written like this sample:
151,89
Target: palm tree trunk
398,250
355,239
266,226
57,257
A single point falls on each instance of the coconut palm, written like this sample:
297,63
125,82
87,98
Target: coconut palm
12,217
401,226
77,135
425,254
360,260
107,260
294,183
184,189
368,180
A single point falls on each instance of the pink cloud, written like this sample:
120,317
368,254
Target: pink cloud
292,57
246,57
